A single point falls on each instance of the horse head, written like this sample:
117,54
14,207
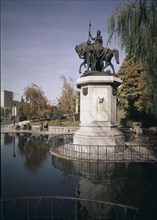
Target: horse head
76,48
80,50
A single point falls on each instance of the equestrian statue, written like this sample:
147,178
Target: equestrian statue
94,54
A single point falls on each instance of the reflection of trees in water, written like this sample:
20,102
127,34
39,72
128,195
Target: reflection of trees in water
34,149
8,138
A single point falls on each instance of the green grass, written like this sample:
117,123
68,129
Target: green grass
68,122
64,122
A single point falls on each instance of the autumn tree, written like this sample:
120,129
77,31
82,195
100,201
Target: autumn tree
132,94
22,110
37,102
134,25
68,97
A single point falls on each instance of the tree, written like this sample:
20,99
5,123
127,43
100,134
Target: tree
132,94
68,97
37,102
133,90
134,24
23,110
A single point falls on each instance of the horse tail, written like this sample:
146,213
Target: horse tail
116,53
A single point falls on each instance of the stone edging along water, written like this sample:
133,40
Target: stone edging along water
36,129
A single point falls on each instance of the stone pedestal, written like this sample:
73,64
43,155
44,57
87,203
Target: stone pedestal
98,110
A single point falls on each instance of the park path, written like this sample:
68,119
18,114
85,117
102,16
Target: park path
23,122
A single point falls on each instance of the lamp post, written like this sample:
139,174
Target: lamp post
4,112
59,111
14,108
14,112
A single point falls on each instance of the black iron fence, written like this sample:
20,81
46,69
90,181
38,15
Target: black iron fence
109,153
68,208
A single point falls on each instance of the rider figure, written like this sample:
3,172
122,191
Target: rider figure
90,58
90,46
98,39
98,44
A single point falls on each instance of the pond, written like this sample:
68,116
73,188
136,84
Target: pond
29,170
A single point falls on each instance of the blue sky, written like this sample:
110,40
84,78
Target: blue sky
38,38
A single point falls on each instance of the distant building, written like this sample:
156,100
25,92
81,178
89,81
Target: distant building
6,99
8,104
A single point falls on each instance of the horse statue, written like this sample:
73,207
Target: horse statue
85,52
95,61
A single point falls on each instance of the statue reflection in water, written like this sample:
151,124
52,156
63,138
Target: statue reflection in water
98,182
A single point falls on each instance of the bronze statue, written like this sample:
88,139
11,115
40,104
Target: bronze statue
95,54
98,44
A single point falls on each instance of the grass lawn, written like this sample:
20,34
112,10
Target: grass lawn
67,122
64,122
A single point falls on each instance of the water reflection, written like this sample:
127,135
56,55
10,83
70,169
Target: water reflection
125,183
7,138
99,181
27,161
34,150
14,150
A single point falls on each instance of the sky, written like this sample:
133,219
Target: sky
38,39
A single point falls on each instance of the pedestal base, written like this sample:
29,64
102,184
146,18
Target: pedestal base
98,134
98,110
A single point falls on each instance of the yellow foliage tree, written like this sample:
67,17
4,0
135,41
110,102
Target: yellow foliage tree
133,91
37,102
68,97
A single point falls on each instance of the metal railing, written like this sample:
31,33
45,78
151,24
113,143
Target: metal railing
109,153
71,208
